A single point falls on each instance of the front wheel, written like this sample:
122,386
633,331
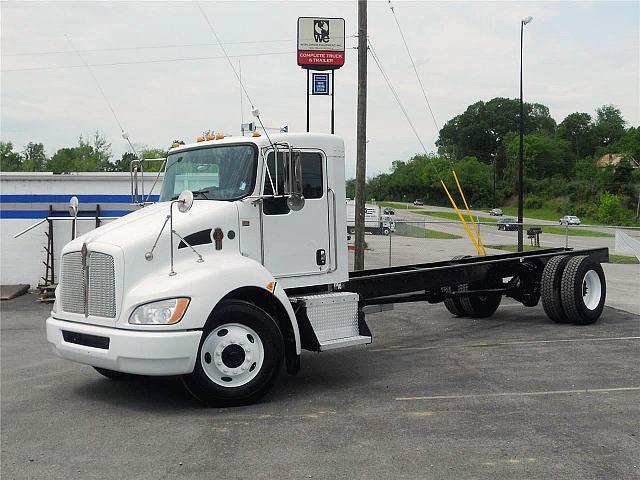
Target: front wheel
239,358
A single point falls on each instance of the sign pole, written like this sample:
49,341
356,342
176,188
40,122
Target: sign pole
333,74
307,100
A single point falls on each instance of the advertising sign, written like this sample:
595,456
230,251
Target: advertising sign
319,84
321,43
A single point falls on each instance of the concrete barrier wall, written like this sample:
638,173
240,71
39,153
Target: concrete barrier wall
26,198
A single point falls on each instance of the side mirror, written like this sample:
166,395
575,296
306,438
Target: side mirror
293,181
73,206
185,201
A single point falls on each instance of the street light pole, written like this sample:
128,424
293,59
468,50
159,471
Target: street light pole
523,22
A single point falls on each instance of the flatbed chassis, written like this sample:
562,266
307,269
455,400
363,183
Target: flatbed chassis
436,281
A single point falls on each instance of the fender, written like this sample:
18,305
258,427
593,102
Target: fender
206,285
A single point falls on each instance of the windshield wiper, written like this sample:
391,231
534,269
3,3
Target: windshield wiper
195,194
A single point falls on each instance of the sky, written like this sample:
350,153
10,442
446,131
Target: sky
166,78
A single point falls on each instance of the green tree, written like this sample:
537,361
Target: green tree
10,161
544,155
577,129
481,129
33,157
609,126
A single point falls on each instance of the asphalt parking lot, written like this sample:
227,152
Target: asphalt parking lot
514,396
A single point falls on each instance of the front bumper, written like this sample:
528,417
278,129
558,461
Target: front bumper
130,351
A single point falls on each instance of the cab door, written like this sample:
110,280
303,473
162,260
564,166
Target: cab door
296,243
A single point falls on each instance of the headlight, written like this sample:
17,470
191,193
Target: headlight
162,312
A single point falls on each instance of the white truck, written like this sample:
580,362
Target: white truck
243,263
375,221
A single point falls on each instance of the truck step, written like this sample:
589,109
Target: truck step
344,342
330,320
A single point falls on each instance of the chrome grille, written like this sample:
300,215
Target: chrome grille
101,296
102,285
72,282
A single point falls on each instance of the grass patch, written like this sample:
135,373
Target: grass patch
452,216
409,230
398,205
573,231
622,259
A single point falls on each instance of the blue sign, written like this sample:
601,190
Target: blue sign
319,84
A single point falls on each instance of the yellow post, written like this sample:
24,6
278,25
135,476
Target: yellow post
475,227
464,223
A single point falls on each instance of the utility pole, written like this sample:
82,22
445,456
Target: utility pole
361,140
521,149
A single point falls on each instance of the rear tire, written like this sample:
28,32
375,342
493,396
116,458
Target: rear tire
584,290
480,306
239,357
386,231
117,376
551,285
453,303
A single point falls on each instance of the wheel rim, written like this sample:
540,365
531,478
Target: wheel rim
232,355
591,290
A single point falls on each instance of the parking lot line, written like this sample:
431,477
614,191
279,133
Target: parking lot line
520,394
499,344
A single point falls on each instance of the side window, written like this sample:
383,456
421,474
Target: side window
312,178
312,181
275,206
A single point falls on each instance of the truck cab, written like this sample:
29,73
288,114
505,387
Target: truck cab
220,283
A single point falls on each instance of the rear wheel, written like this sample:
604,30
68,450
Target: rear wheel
551,286
583,290
453,303
386,231
480,306
239,358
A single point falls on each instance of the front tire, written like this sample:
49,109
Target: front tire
239,358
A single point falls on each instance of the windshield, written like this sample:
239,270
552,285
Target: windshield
227,172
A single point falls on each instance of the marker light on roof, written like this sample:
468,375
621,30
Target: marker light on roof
199,139
219,136
210,137
255,133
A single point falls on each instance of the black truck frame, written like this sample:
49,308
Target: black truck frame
474,286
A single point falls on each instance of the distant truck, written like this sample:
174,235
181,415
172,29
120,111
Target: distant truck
375,220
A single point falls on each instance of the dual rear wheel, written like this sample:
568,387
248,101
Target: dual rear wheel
473,306
573,289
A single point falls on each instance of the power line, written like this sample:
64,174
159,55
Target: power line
406,46
149,47
141,62
399,102
124,134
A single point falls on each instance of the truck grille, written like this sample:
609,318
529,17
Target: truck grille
92,293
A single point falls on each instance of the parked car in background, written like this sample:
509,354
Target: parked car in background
389,211
496,212
418,201
569,220
508,223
